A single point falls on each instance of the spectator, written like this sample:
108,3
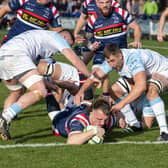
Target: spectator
63,8
150,8
135,8
69,6
76,11
141,7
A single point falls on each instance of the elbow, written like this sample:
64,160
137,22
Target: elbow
71,142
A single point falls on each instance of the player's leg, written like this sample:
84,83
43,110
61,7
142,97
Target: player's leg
156,84
97,61
16,91
118,91
34,83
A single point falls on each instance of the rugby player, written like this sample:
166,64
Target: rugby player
18,59
148,71
31,14
106,24
71,122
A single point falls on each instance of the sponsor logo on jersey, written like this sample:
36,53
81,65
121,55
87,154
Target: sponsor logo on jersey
32,19
109,31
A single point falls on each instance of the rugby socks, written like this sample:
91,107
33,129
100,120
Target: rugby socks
53,107
157,105
128,113
11,112
146,108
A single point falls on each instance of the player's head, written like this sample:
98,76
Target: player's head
67,35
113,56
43,2
100,110
104,6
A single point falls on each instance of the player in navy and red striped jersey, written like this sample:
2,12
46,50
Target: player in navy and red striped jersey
31,14
106,24
71,121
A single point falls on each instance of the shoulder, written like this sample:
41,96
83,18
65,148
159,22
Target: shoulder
123,13
87,2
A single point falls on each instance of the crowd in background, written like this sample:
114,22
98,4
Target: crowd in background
140,9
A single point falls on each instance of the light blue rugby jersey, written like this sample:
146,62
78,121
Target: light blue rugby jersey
137,60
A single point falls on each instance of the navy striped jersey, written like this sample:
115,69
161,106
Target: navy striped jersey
32,15
109,29
75,119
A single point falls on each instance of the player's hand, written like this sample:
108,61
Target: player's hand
95,46
116,108
79,38
79,97
100,132
135,44
160,37
97,83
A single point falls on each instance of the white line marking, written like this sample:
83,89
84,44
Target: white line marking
63,144
159,47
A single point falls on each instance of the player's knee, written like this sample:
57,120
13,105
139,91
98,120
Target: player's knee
116,91
148,121
148,124
152,91
40,94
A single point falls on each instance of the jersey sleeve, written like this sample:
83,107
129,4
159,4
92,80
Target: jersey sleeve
15,4
115,3
84,7
76,125
135,64
105,67
56,17
60,42
126,16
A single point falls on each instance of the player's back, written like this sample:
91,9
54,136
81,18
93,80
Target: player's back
70,119
36,43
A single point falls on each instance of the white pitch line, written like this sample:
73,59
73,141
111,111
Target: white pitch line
164,48
63,144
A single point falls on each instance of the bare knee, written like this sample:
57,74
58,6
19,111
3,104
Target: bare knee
152,92
148,122
115,91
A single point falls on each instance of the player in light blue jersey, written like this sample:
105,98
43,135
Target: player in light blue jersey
149,73
18,60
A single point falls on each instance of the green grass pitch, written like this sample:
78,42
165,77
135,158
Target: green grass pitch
33,127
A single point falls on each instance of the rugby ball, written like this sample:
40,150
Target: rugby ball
95,140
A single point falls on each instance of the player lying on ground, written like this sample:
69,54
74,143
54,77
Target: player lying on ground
148,71
82,123
18,59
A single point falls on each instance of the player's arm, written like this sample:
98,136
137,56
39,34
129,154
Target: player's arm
5,9
79,25
138,89
137,34
160,34
80,137
75,60
94,80
69,85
